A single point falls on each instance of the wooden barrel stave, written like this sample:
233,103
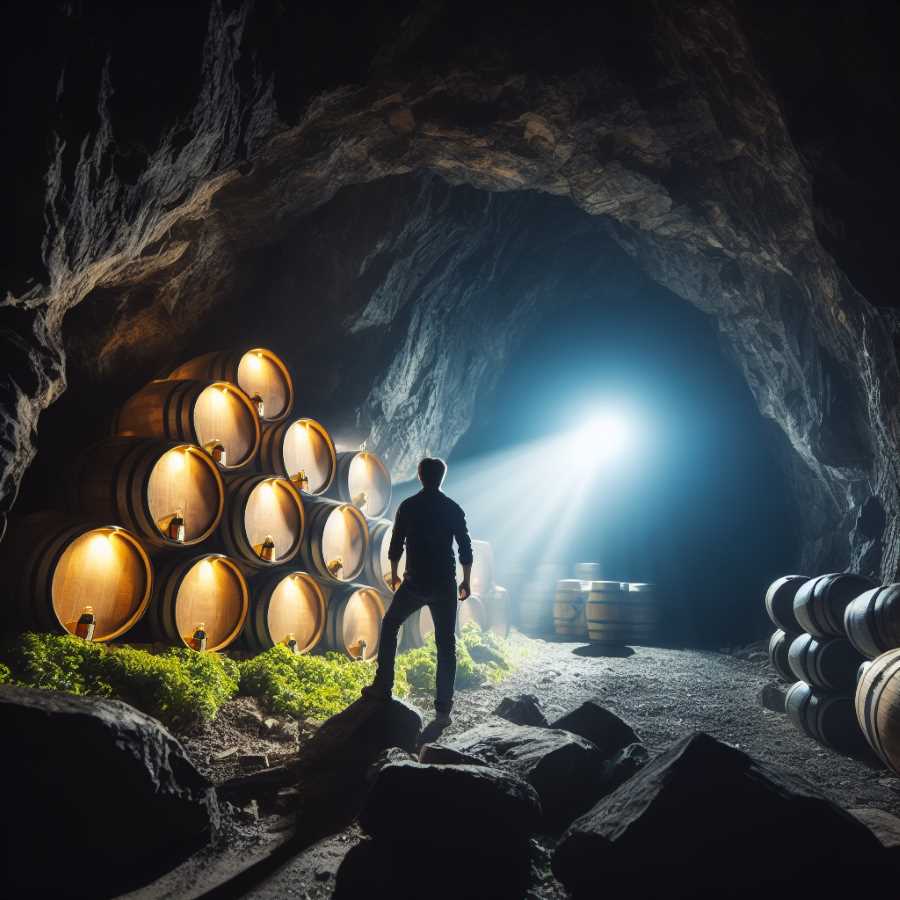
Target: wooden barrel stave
334,531
361,472
615,615
877,706
569,614
779,646
256,371
54,567
354,612
780,602
285,602
872,620
829,664
819,603
827,718
302,445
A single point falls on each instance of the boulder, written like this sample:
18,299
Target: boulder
601,727
450,806
624,765
566,770
883,825
705,819
441,754
391,755
772,696
93,789
522,710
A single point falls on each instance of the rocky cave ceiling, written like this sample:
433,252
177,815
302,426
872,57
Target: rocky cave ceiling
168,210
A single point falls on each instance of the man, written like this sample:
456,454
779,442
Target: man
426,523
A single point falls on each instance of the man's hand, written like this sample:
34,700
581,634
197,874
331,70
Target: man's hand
464,590
394,581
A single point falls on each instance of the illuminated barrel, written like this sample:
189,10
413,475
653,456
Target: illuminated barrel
826,717
829,664
878,707
472,609
820,603
622,613
336,540
353,622
872,620
498,611
588,571
780,602
363,480
207,592
264,520
569,618
216,416
297,449
258,372
416,628
378,566
170,494
53,569
779,645
286,605
536,596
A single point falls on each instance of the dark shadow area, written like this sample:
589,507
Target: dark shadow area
603,651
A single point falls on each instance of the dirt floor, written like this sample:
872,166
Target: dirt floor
663,693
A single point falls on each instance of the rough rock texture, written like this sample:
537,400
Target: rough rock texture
597,724
442,755
60,754
703,816
522,710
657,121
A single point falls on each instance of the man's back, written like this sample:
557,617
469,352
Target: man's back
427,523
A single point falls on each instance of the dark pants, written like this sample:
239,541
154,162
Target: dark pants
441,602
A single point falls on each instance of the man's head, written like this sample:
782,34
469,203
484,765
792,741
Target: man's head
431,472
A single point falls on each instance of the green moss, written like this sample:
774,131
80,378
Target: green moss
5,674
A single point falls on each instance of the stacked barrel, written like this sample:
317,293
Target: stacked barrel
828,627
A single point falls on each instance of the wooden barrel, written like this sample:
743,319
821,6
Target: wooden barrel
779,645
161,490
264,522
619,612
820,603
498,611
363,480
258,372
878,707
208,590
214,415
588,571
53,568
336,542
780,602
569,618
826,717
378,567
286,604
536,593
301,447
472,609
830,664
354,614
872,620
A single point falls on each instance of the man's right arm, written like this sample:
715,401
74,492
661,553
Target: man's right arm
464,545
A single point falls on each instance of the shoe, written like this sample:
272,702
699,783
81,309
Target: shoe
442,719
376,692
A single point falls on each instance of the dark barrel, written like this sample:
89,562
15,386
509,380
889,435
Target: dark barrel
779,644
872,620
830,664
820,602
827,718
780,602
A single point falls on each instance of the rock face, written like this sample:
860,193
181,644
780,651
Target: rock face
522,710
661,125
704,817
63,754
601,727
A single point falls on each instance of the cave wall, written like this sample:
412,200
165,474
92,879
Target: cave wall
656,119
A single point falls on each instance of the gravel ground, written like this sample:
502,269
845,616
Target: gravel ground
662,693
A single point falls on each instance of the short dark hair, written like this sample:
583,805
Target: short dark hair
432,471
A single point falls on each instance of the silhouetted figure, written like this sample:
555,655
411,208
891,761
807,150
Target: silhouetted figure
426,523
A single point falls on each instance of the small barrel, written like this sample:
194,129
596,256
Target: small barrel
286,604
378,567
569,617
820,603
258,372
472,609
170,494
588,571
362,480
878,707
53,568
826,717
336,542
264,522
208,590
301,450
607,613
872,620
780,602
416,628
779,645
217,416
498,612
829,664
353,622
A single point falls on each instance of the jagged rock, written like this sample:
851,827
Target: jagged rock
60,755
443,755
601,727
522,710
773,696
884,826
625,764
704,816
450,806
391,755
566,770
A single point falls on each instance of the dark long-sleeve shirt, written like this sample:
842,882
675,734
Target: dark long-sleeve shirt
426,524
